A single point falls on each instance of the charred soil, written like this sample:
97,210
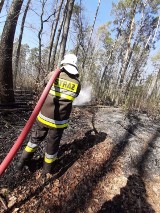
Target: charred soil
109,161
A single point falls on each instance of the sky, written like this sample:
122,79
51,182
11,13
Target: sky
104,13
32,23
90,10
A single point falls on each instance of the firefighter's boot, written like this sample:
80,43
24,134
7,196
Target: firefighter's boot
49,163
47,167
24,160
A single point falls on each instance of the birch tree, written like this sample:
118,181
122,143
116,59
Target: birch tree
70,4
78,27
128,42
136,24
53,62
144,51
91,32
53,32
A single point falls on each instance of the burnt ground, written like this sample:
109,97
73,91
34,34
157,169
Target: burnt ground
109,161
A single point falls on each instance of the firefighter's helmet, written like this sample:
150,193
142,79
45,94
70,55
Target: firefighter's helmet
70,64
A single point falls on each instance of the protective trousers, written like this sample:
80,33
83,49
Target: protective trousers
38,134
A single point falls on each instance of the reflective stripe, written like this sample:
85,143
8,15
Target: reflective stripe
52,120
58,94
51,156
29,149
52,123
31,145
49,160
66,92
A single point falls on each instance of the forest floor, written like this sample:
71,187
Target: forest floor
109,161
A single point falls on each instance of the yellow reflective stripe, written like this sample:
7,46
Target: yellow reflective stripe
52,120
68,97
49,160
29,149
64,84
51,124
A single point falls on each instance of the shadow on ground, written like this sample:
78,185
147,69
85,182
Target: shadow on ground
132,198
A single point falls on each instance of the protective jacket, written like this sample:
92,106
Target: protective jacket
57,107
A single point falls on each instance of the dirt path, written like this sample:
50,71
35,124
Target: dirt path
108,162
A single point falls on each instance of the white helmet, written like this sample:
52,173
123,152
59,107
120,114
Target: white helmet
70,63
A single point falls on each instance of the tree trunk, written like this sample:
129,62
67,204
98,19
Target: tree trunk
111,52
6,49
20,41
65,30
53,34
126,57
156,29
83,64
1,4
56,44
58,37
143,50
40,41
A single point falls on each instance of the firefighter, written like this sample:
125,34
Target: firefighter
54,115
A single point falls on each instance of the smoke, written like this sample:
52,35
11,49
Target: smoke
84,96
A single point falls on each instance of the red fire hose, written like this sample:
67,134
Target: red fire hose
28,125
